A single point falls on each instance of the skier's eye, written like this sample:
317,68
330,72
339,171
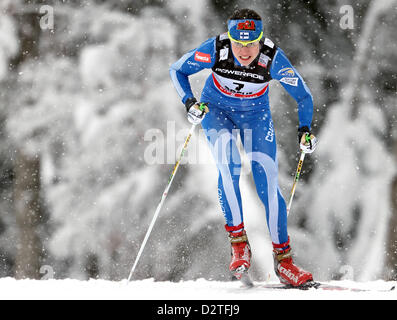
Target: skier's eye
248,45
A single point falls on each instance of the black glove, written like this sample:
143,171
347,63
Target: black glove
190,102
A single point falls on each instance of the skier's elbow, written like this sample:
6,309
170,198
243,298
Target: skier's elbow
306,99
172,69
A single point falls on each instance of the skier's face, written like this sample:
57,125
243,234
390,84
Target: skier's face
245,54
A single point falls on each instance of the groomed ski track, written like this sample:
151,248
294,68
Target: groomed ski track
200,289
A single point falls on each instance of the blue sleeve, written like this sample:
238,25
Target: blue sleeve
192,62
283,71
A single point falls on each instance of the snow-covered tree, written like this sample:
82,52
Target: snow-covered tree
349,203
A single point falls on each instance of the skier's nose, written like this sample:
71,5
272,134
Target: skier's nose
245,50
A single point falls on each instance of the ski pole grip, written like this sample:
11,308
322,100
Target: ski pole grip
308,139
203,106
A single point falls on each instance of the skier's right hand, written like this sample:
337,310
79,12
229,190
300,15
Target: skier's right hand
195,111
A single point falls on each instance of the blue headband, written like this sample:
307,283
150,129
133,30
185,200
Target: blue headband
245,29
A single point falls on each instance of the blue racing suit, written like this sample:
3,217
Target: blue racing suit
238,101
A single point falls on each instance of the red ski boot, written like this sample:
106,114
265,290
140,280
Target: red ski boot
241,253
286,270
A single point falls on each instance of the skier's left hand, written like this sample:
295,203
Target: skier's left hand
307,141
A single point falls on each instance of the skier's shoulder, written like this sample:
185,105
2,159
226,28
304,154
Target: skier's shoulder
208,46
280,59
205,53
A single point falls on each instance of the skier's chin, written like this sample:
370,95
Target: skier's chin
245,61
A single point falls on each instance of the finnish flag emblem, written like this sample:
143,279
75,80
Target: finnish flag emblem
244,35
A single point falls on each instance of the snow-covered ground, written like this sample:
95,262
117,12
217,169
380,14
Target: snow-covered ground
187,290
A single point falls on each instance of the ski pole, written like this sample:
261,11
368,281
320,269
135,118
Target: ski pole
164,196
296,179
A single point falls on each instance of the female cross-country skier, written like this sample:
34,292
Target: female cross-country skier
243,62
